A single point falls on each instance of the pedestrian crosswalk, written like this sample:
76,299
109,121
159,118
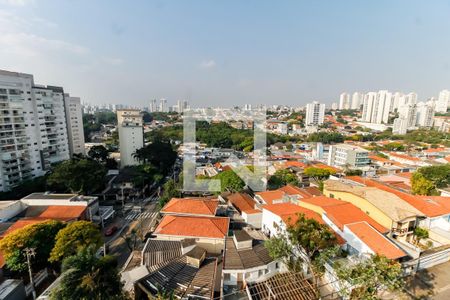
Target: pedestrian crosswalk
143,215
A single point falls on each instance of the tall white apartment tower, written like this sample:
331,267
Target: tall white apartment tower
74,121
131,135
163,105
368,103
357,100
33,130
153,106
344,101
315,113
425,114
443,101
408,112
376,107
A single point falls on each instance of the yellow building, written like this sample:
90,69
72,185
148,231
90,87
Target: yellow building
386,208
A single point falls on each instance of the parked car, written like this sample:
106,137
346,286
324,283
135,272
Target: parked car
111,230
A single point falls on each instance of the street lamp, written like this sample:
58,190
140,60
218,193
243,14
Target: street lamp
30,252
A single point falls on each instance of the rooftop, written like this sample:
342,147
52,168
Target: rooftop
288,212
348,213
375,241
288,285
431,206
390,204
238,259
189,226
243,202
192,206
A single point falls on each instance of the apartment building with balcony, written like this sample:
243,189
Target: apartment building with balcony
33,128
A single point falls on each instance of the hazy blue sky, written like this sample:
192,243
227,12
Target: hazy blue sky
228,52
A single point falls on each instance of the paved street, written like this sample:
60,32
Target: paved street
433,283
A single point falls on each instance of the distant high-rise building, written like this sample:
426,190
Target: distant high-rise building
74,120
33,128
163,105
357,99
408,112
400,126
334,106
153,106
344,101
131,135
376,107
425,114
443,101
315,113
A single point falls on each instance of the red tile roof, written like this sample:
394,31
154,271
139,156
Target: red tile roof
293,163
288,212
323,201
348,213
189,226
293,190
375,241
243,202
64,212
270,196
404,156
22,223
193,206
431,206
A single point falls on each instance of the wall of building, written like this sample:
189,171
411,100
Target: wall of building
363,204
211,245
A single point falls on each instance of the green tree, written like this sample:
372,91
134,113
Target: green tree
171,189
159,153
420,234
394,146
438,175
368,278
83,176
353,172
73,238
422,186
86,277
319,174
307,236
99,153
38,184
282,178
40,236
230,181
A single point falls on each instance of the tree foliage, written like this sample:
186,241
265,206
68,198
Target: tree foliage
230,181
40,236
326,137
159,153
171,189
438,175
83,176
74,237
38,184
368,278
306,241
282,178
98,152
422,186
85,277
319,173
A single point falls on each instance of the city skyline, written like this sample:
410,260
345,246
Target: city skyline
164,50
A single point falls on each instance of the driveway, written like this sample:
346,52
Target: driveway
433,283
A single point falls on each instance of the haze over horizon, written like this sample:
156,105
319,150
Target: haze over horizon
227,53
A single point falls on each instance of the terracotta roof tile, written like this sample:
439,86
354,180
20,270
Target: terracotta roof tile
348,213
431,206
193,206
323,201
63,212
243,202
375,241
189,226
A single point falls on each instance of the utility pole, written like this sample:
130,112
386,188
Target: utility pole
30,252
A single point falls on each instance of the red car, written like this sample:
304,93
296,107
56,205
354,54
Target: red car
111,230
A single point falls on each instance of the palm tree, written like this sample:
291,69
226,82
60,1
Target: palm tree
86,276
